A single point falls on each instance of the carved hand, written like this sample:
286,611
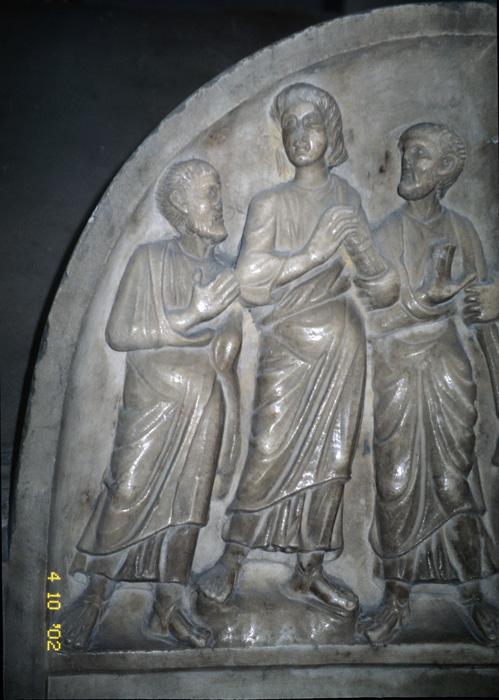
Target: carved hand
227,344
209,300
438,286
380,291
481,303
335,224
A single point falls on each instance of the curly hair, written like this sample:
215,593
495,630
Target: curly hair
179,178
305,92
448,140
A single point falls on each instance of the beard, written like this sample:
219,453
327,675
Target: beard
411,189
212,227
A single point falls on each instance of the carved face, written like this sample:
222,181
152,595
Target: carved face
304,134
421,161
203,207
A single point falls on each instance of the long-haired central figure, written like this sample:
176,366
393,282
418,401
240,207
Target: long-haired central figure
312,354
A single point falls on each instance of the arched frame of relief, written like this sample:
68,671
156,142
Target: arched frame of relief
387,70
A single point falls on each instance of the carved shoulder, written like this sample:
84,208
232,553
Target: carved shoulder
129,316
259,230
346,194
265,202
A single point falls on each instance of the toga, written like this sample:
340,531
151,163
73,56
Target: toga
427,524
310,378
169,426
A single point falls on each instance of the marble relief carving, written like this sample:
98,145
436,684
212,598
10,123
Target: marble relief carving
427,521
177,315
262,447
171,316
312,354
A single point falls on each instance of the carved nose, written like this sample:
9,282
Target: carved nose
300,138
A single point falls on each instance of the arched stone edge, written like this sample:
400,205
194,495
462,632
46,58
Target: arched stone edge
26,655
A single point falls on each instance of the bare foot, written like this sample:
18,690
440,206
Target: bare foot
176,622
387,625
185,630
342,601
483,622
218,582
79,623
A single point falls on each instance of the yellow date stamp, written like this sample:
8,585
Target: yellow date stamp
53,603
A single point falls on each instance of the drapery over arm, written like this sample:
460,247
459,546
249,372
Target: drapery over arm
259,266
139,320
407,311
361,249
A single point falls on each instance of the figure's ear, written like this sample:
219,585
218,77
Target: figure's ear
448,163
178,201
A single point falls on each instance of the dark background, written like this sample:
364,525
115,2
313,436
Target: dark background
82,83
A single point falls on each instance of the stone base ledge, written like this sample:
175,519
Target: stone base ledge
457,655
323,682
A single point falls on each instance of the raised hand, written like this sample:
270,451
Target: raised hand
210,300
335,224
438,286
481,303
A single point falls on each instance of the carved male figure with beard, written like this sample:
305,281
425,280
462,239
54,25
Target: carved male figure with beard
427,523
168,316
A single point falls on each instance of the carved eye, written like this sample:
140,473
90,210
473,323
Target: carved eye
420,152
313,120
215,194
289,122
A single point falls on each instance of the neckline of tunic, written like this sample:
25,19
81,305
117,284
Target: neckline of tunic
328,184
207,258
423,221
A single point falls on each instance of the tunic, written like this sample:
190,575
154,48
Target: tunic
170,424
427,523
310,378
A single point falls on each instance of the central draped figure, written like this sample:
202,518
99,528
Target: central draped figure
311,376
312,353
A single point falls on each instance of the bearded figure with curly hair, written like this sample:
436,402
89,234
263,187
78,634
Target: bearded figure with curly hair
181,351
428,523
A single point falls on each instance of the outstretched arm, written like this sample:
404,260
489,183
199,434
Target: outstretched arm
377,282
